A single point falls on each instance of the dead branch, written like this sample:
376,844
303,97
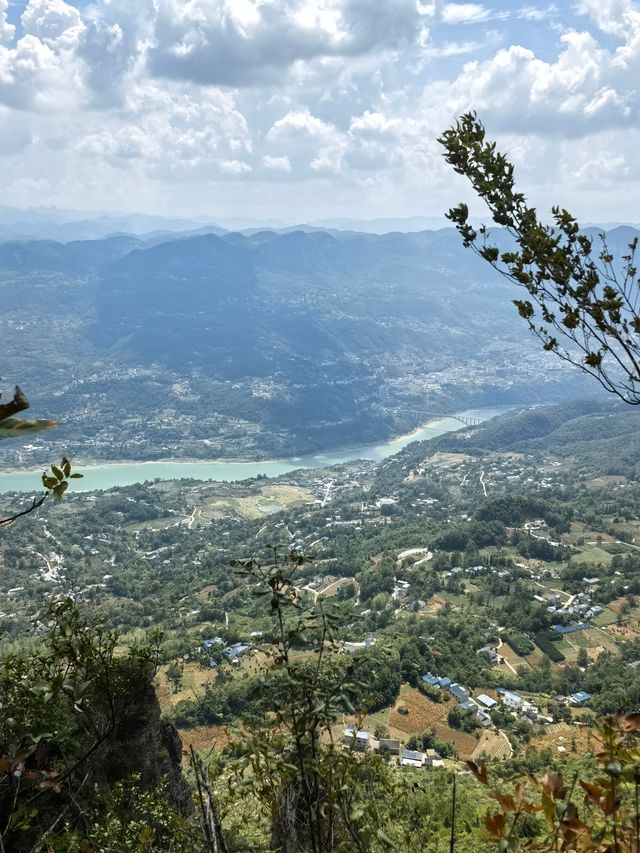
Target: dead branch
18,404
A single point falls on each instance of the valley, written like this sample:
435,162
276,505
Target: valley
488,555
260,346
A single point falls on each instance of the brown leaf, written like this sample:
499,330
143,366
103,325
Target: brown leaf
506,801
532,778
610,804
495,825
594,792
554,785
479,771
628,722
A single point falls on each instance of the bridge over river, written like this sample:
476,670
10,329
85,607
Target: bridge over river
464,419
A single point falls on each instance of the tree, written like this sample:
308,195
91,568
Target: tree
313,790
583,304
604,818
174,676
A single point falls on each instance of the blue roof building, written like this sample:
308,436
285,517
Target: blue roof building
214,641
580,697
459,692
234,652
570,629
412,754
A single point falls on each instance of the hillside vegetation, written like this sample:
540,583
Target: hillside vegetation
261,345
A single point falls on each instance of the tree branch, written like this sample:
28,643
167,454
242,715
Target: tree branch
5,522
18,404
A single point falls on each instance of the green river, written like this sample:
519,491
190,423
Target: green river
112,474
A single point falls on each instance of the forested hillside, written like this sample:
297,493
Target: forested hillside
259,345
464,600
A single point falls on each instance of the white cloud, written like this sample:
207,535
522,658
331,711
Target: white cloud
602,168
452,48
15,133
300,123
34,75
183,138
234,167
215,41
375,126
464,13
277,164
536,13
170,98
309,142
587,88
7,30
615,17
51,20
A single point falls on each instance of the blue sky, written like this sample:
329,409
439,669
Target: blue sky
303,110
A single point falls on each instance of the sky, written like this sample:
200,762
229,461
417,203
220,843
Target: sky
302,110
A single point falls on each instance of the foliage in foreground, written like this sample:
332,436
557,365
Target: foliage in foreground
583,303
82,767
77,714
596,815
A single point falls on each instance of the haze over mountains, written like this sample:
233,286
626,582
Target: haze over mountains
221,344
49,223
64,226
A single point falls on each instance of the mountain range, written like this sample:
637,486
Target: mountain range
271,342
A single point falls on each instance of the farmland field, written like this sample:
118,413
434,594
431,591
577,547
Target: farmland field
492,745
566,736
422,712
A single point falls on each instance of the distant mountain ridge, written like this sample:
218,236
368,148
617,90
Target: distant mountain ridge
47,223
281,342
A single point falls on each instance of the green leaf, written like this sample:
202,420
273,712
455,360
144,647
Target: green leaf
59,490
76,476
57,472
525,308
383,838
593,359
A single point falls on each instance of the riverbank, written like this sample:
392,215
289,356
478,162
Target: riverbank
110,474
346,450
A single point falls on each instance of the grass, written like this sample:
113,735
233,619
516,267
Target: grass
269,499
452,597
606,618
593,554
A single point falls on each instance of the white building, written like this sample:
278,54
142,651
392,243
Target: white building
513,701
412,758
355,740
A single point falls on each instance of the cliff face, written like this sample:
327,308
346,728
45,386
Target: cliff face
142,748
150,747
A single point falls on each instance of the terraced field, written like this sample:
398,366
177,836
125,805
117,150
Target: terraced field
492,746
422,715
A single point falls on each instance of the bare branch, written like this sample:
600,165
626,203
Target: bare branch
18,404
